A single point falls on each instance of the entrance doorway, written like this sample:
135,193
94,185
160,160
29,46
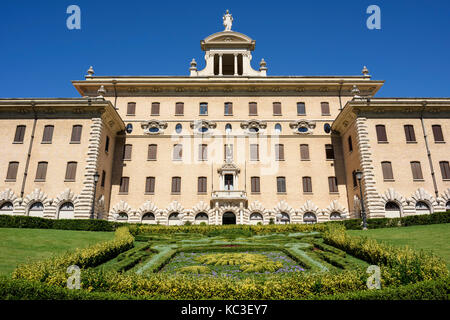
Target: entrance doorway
229,218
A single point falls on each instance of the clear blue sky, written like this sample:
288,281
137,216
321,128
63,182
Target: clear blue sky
40,56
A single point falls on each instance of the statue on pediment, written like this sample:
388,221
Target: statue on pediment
227,21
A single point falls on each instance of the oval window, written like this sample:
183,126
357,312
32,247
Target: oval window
302,129
129,128
253,130
178,128
327,128
153,130
203,129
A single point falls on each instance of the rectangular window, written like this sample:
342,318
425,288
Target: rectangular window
325,106
102,184
386,167
279,152
131,108
203,109
437,133
281,184
127,151
201,185
304,152
150,185
11,175
252,109
277,108
329,152
71,171
124,183
76,134
307,185
255,184
445,170
202,152
48,134
176,184
179,109
228,152
332,185
41,171
228,109
20,134
107,144
409,133
350,144
301,109
254,152
416,170
152,150
355,181
381,133
155,109
177,152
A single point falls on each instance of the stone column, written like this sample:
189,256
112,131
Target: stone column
217,213
241,212
220,64
235,64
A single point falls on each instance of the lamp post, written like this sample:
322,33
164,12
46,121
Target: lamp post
96,176
359,176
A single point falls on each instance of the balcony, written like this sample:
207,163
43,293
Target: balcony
229,195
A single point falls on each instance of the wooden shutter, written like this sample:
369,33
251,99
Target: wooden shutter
304,152
201,188
48,134
131,108
254,152
329,152
325,106
154,109
332,184
386,167
127,151
409,133
152,149
252,109
124,183
41,171
12,170
381,133
176,184
20,134
416,170
301,110
307,186
445,169
279,152
437,133
179,108
281,184
228,109
255,184
71,171
150,185
202,152
76,134
277,108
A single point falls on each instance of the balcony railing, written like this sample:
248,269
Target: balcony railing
229,194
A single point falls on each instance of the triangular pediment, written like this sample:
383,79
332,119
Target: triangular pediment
228,38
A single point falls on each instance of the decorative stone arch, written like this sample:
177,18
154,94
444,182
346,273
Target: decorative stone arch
39,196
284,207
173,207
443,200
120,207
147,207
421,195
335,206
257,207
65,196
9,196
309,206
391,195
201,207
310,217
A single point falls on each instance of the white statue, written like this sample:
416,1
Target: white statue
227,21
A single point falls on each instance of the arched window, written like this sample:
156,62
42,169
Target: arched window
66,211
447,206
148,218
422,208
256,218
36,210
392,210
335,216
309,218
277,128
178,128
283,218
228,128
6,208
122,217
201,217
174,219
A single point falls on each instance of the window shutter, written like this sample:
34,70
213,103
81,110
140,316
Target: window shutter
76,133
252,109
176,184
325,106
332,184
416,170
228,108
12,171
301,110
48,134
277,108
124,182
304,152
386,167
281,184
437,133
179,108
71,170
307,187
202,152
254,152
409,133
201,184
152,152
20,134
279,152
131,108
445,169
41,171
381,133
150,185
127,152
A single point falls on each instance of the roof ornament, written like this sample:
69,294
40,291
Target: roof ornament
227,21
101,91
193,65
262,65
355,91
90,71
365,72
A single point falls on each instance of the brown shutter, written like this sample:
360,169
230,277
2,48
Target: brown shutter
281,184
127,151
445,169
279,152
20,134
277,108
154,109
304,152
381,133
12,171
254,152
76,133
228,108
152,149
41,171
409,133
307,186
301,110
176,184
131,108
437,133
325,108
150,185
202,152
201,184
252,109
48,134
416,170
71,170
179,108
124,182
332,184
386,167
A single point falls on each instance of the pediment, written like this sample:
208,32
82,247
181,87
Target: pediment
227,38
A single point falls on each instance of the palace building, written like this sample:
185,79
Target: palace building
225,144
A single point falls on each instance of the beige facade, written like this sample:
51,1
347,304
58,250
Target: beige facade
290,159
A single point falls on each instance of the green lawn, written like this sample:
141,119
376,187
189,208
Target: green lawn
21,245
434,237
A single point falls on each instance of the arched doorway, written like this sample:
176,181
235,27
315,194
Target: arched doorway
229,218
335,216
6,208
256,218
283,218
201,217
148,218
422,208
309,218
66,211
122,217
36,210
392,210
175,219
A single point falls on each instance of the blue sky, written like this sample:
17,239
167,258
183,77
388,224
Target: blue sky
40,56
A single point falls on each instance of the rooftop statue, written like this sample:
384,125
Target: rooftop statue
227,21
